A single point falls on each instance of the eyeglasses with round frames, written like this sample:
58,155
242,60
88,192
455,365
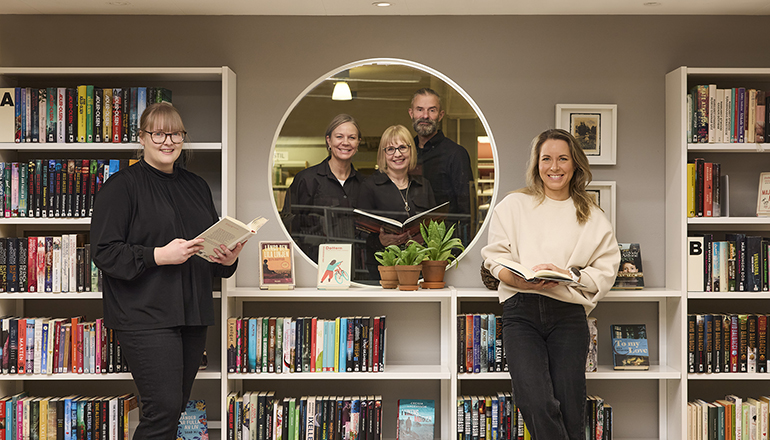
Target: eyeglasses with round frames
159,137
391,150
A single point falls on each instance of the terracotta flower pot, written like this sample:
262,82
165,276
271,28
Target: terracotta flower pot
408,276
433,274
388,277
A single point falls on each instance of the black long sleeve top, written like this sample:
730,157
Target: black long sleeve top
447,166
141,208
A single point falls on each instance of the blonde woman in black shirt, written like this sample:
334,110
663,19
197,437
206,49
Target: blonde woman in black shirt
157,294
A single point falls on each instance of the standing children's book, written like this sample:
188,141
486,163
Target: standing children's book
415,419
276,271
192,423
334,266
630,274
629,347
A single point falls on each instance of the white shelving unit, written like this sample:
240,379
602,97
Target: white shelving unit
206,99
742,163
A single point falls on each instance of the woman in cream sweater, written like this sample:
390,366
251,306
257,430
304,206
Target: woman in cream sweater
552,223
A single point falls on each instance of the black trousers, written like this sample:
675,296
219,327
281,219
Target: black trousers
164,363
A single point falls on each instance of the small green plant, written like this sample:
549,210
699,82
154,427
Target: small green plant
411,255
387,256
440,242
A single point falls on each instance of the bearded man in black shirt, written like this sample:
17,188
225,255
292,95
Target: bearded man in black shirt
445,164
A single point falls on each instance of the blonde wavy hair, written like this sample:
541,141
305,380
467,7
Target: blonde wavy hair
580,177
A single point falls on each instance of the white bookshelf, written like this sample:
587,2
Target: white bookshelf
206,98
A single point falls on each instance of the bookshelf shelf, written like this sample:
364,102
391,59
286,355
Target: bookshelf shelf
744,176
206,98
392,372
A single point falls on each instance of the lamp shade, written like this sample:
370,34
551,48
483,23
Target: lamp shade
341,92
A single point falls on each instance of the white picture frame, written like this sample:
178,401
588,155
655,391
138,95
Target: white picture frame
594,126
605,192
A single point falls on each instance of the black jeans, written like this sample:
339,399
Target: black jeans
164,363
546,344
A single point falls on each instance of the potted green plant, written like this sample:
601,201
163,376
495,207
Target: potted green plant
440,243
387,259
408,265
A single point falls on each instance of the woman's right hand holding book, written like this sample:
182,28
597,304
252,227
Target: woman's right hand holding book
519,283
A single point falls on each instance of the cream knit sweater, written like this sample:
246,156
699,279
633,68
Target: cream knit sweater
530,233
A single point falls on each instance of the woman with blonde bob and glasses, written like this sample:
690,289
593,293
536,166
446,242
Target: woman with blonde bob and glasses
157,294
392,192
552,224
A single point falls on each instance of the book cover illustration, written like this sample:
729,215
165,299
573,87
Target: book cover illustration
193,423
415,419
277,268
629,347
630,275
334,265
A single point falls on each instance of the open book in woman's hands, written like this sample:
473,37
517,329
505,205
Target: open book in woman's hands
540,275
228,231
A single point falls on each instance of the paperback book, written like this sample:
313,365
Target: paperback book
415,419
276,272
229,232
334,266
629,347
193,423
540,275
630,275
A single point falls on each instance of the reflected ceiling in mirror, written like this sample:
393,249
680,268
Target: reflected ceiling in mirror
377,94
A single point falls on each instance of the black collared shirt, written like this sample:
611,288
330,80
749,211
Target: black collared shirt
141,208
381,196
447,166
317,206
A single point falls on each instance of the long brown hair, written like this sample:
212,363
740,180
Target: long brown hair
580,177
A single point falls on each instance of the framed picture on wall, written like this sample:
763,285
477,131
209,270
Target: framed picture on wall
595,128
603,192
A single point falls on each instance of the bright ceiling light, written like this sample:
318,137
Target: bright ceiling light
341,92
381,4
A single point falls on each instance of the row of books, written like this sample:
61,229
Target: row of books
735,263
85,113
54,187
262,416
59,345
734,115
730,418
60,263
480,343
71,417
497,417
704,189
306,344
727,343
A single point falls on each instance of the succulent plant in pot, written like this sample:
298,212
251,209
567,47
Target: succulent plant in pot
408,265
441,245
388,258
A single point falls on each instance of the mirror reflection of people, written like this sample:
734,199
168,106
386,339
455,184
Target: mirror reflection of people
445,164
553,224
392,191
333,183
157,294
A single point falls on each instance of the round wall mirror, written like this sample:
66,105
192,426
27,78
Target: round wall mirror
455,175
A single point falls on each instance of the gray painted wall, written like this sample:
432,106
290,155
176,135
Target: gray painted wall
517,68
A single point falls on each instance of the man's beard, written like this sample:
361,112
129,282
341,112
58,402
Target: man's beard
424,130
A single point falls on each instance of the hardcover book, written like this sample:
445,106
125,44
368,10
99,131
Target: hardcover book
334,265
371,222
763,195
415,419
229,232
592,360
277,269
193,423
630,275
629,347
